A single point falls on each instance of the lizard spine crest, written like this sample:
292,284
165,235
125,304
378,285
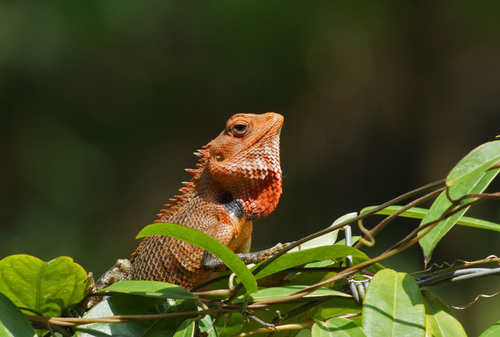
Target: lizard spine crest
189,186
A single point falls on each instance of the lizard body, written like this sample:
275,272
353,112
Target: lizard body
237,180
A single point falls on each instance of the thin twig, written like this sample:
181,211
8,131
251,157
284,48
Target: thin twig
444,216
391,217
277,328
73,321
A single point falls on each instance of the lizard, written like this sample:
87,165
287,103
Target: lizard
237,179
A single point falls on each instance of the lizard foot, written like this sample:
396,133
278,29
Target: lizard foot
256,257
122,270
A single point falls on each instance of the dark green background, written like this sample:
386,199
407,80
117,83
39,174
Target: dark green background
102,103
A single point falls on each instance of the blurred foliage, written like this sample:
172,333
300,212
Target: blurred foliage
102,103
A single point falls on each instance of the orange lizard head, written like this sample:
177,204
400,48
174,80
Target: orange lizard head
244,159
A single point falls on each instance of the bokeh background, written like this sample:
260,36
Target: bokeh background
103,102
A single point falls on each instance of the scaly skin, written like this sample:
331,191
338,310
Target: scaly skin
237,179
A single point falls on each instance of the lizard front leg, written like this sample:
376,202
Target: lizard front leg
211,263
122,270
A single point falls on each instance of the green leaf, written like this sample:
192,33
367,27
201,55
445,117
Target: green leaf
277,292
186,329
336,307
125,304
304,333
492,331
327,239
354,239
151,289
475,163
49,288
420,213
230,324
310,275
337,327
208,243
439,318
207,327
442,204
374,268
393,306
305,256
12,321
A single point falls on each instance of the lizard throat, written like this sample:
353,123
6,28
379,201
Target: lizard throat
258,197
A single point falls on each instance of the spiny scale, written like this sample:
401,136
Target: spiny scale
188,187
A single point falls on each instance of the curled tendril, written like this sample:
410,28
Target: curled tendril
368,240
462,307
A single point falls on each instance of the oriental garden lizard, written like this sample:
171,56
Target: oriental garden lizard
237,179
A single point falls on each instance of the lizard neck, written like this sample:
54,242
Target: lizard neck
257,197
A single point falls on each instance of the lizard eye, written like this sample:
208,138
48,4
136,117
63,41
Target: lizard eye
239,129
